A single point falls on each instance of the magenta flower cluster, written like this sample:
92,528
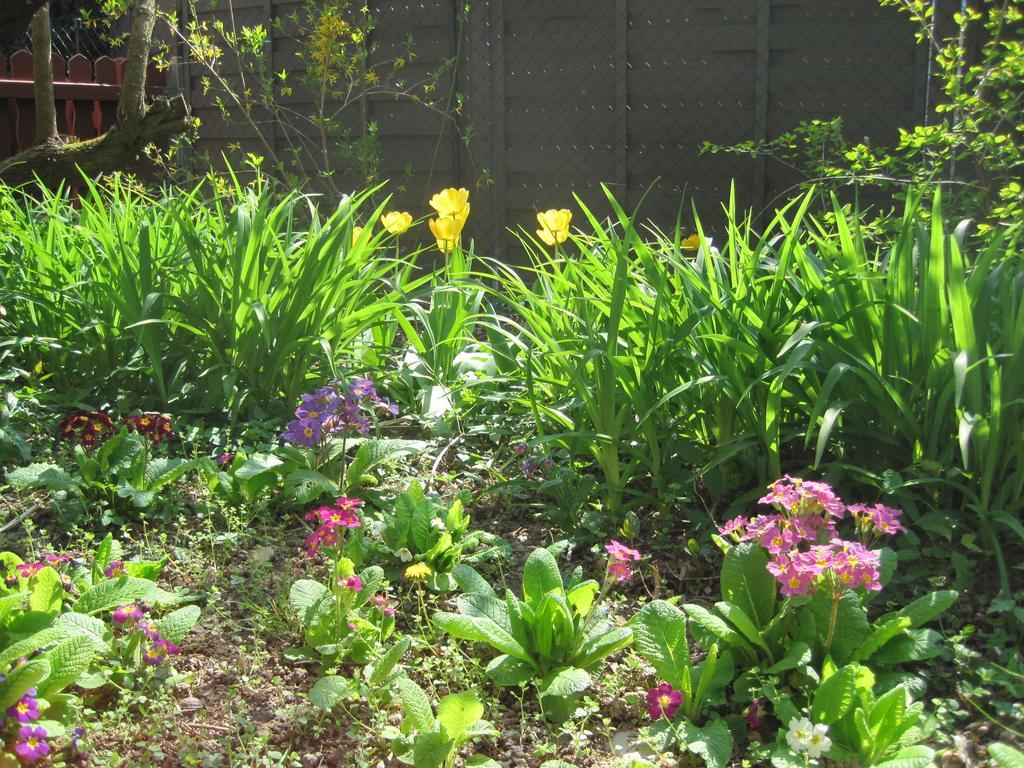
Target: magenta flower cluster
620,559
804,541
133,618
332,519
336,409
382,603
32,741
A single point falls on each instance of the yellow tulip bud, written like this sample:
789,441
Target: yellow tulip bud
691,243
356,232
554,225
446,230
451,202
396,222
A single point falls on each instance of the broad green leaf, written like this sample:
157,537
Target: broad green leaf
87,626
1003,755
9,602
374,452
176,625
712,742
328,692
835,696
416,706
581,597
31,674
747,584
431,750
485,606
43,475
258,464
743,622
568,681
926,608
797,655
540,576
47,592
481,629
918,756
385,665
34,644
602,644
310,600
104,554
110,593
707,627
911,645
456,712
879,636
470,581
67,662
307,485
507,672
659,635
849,628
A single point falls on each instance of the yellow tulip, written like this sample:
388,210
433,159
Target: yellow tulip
554,225
446,231
451,202
356,232
396,222
691,243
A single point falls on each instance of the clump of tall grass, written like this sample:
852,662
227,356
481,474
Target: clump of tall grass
189,298
802,346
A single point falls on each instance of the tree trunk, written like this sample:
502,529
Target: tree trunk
42,76
137,126
133,90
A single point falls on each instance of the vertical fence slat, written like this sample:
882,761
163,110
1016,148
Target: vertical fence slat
622,96
761,99
6,117
80,71
496,47
104,112
24,114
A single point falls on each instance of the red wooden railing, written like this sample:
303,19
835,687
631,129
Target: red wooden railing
86,93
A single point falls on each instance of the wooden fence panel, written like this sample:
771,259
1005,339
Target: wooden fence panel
563,97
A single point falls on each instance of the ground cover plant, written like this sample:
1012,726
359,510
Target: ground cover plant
655,499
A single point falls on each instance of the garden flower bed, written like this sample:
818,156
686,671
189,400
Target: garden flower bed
273,497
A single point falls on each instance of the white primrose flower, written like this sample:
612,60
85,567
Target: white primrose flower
805,736
375,528
799,734
404,555
438,523
818,743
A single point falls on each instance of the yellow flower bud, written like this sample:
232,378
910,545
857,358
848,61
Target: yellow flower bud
446,230
396,222
554,225
356,232
452,202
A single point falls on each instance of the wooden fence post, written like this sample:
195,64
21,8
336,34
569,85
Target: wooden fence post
497,147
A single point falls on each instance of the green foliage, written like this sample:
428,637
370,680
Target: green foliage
553,636
54,632
429,741
122,467
217,303
804,343
420,528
